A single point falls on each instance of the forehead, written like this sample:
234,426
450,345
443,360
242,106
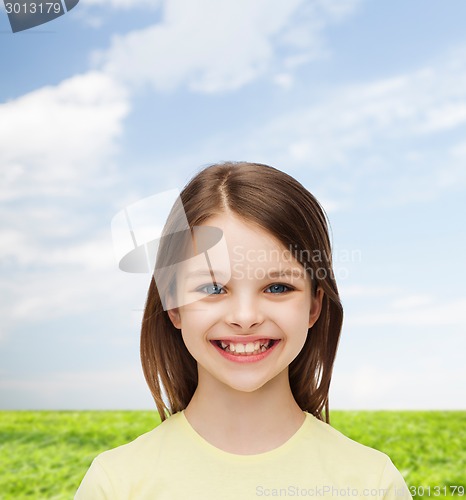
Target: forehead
244,233
242,244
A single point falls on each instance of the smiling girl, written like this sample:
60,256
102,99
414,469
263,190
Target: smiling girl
239,337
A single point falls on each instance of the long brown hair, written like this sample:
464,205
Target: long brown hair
283,207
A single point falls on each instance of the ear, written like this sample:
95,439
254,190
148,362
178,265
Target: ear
173,313
316,306
175,318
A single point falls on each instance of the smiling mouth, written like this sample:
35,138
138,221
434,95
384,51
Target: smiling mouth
245,349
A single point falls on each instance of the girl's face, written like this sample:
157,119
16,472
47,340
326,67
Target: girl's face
257,298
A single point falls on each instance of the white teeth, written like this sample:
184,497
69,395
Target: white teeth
240,348
246,349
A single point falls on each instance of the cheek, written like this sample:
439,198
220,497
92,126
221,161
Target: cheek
199,315
295,311
196,323
294,322
192,341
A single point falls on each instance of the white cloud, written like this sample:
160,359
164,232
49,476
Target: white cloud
425,384
284,80
375,137
457,153
367,382
411,301
57,136
31,249
427,313
355,117
401,308
56,157
68,290
93,13
56,141
367,291
212,46
445,116
91,389
121,4
338,9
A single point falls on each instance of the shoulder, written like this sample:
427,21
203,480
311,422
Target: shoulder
354,463
117,472
344,452
335,441
147,446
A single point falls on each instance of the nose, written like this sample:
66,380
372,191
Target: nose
244,312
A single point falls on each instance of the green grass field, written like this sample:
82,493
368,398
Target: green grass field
45,454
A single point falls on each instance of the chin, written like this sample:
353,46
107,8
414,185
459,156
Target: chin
246,385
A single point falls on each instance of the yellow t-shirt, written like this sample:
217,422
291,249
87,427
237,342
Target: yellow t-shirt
173,462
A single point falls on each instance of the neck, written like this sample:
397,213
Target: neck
244,422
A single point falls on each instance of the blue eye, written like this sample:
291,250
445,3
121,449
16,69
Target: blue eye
214,289
275,289
278,288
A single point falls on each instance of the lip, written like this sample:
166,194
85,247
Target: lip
251,358
244,339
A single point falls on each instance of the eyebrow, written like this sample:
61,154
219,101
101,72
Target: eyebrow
204,272
294,273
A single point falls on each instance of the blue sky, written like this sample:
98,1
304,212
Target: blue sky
363,101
